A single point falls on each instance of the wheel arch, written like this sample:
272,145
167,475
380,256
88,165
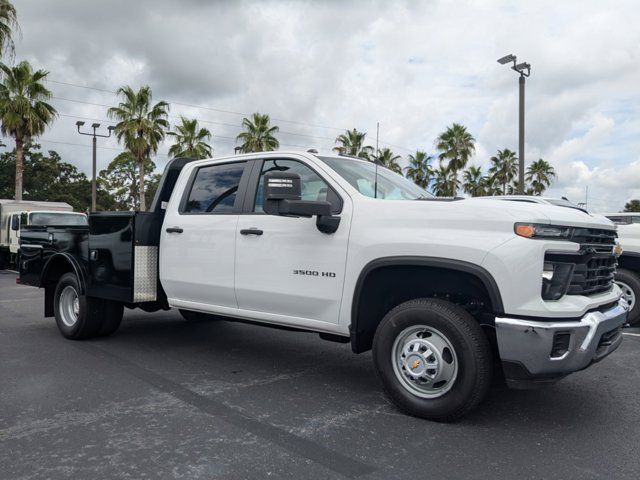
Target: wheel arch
630,261
56,266
474,276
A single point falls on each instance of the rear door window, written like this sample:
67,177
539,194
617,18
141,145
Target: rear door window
214,189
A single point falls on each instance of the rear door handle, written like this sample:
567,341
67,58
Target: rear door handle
251,231
174,230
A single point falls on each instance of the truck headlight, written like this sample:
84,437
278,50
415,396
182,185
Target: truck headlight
556,277
537,230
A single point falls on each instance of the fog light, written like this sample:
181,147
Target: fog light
560,345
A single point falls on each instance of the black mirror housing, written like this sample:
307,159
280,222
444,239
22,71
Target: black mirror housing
283,196
282,186
15,223
303,208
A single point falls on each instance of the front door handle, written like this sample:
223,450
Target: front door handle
174,230
251,231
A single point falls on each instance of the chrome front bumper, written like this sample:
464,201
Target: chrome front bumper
526,346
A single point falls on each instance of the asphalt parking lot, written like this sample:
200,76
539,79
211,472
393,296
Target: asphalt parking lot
163,398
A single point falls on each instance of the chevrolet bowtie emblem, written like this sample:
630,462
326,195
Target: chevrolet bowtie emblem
617,250
415,364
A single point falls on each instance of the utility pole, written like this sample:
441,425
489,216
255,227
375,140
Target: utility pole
94,134
524,69
586,198
375,187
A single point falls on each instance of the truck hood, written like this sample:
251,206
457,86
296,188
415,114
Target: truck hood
541,213
480,214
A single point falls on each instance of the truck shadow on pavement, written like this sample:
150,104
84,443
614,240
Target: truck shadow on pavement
222,357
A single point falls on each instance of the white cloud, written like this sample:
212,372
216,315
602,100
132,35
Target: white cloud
414,66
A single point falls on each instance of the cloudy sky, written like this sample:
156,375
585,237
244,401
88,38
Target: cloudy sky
320,67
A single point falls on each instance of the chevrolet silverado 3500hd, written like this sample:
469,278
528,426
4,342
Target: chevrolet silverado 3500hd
330,244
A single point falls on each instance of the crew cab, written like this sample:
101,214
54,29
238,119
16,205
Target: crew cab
350,250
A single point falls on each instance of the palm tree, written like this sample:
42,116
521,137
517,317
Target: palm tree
352,144
191,140
258,135
456,145
472,181
141,127
504,168
420,169
540,173
8,25
24,111
488,186
445,182
388,159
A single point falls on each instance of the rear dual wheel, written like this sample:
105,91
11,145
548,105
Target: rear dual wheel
79,316
433,359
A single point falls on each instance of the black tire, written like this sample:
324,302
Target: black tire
191,316
2,260
112,318
471,347
90,312
631,280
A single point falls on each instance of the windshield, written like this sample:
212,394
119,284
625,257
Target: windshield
361,174
57,219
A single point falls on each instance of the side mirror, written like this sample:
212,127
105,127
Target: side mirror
15,223
283,196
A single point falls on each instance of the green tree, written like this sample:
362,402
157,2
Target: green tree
472,181
8,26
540,174
191,140
489,187
24,111
258,134
151,186
121,179
48,178
456,145
445,182
632,206
387,158
352,143
141,127
420,169
504,168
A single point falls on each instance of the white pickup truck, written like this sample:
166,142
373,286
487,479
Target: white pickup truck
628,273
331,244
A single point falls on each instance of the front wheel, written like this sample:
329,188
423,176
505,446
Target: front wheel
433,358
629,283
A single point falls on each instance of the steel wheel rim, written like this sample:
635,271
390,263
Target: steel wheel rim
69,306
424,361
628,294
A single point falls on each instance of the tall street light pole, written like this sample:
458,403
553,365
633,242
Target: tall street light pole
524,69
94,134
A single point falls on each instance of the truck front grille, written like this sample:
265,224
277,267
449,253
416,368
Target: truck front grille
594,264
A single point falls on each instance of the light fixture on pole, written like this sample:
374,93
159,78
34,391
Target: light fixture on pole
94,134
524,70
